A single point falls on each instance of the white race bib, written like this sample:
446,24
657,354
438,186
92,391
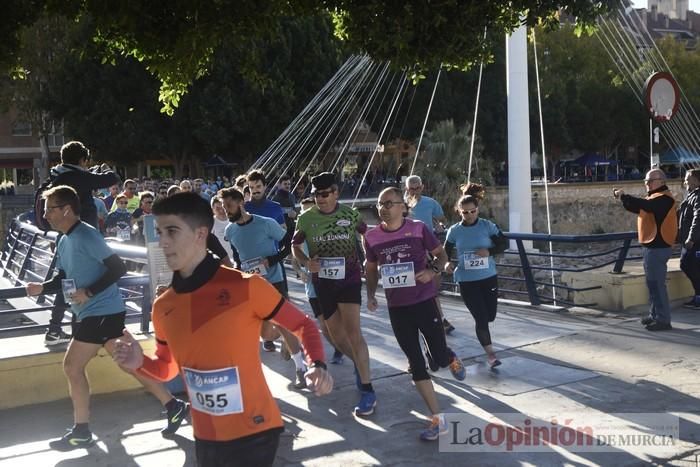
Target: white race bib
398,275
124,234
254,266
214,392
69,288
473,261
332,268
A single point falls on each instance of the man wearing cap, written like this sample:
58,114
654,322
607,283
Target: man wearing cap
330,231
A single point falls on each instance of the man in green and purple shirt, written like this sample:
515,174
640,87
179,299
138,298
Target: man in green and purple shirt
330,231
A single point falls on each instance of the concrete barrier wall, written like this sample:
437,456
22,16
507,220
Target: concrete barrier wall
32,374
576,208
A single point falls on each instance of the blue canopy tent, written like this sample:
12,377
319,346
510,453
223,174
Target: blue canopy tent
674,160
679,156
590,167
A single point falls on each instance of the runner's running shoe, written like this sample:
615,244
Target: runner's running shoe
368,401
175,417
73,440
437,427
457,368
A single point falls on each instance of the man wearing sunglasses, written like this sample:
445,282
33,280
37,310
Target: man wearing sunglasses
657,228
330,231
132,197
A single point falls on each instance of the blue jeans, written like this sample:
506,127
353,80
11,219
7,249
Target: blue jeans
655,267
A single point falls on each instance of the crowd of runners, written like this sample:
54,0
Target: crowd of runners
213,321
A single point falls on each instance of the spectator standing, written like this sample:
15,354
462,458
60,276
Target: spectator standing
144,208
689,234
113,192
73,171
657,229
132,197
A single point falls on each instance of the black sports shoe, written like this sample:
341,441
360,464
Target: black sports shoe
692,304
448,326
56,338
647,321
176,417
659,326
269,346
73,440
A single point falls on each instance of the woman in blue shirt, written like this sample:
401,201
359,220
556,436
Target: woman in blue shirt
476,241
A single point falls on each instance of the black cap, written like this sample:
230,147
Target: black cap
322,181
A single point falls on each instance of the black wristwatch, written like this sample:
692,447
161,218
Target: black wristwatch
319,364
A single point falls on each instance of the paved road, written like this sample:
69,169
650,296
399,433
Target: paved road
554,364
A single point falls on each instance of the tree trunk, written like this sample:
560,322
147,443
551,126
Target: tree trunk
45,157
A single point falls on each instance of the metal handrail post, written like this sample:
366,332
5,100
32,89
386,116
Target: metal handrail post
146,302
11,255
25,261
619,264
527,273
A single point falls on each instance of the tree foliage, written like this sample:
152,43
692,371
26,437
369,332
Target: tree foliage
112,106
177,40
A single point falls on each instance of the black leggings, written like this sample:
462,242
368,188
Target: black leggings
256,450
481,298
424,317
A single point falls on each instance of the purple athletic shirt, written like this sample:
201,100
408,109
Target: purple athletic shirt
410,243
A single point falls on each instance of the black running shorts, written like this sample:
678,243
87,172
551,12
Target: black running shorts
99,329
331,292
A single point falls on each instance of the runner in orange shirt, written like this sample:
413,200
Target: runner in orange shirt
207,326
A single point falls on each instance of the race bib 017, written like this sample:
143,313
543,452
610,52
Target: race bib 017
214,392
398,275
332,268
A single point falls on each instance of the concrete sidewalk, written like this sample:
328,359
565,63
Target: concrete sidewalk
553,364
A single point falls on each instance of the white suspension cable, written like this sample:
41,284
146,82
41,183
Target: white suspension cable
381,137
544,168
335,78
339,106
425,122
476,113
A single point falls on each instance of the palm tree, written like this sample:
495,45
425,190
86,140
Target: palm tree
443,164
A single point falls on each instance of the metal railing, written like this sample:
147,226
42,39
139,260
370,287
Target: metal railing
28,256
614,255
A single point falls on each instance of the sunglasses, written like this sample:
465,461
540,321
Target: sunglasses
323,194
469,211
389,204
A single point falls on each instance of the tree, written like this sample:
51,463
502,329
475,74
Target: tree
41,47
176,41
443,165
112,106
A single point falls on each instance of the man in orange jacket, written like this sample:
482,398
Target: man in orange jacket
657,227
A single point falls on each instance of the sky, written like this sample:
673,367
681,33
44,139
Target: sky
694,4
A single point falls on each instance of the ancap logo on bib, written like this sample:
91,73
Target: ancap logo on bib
343,223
